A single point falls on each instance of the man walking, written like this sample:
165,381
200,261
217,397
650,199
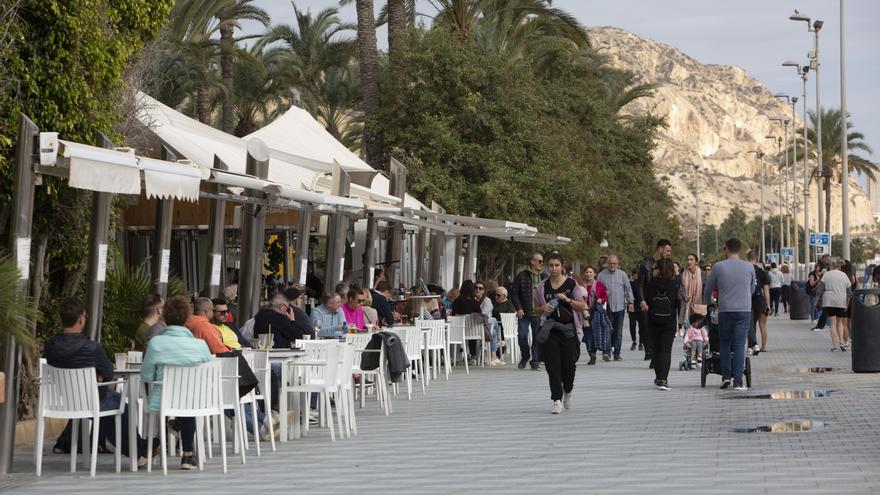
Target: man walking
735,281
760,306
620,299
646,272
523,297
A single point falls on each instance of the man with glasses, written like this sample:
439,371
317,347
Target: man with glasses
527,310
219,319
201,327
620,299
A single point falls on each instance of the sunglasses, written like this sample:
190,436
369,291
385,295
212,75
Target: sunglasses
360,301
222,312
479,288
539,261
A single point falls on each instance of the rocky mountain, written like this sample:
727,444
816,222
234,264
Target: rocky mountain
715,116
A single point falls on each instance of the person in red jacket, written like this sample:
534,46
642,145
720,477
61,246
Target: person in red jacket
596,293
201,327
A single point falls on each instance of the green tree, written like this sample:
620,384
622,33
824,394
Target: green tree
257,91
369,83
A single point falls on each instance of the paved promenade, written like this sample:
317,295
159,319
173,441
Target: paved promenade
492,432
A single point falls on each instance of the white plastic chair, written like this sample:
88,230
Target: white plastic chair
412,343
319,378
231,401
437,344
346,389
380,383
510,324
251,400
474,331
73,394
263,370
455,339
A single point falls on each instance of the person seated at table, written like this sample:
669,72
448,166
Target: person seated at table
466,303
278,319
152,322
175,345
486,308
353,308
380,303
430,309
328,318
201,327
370,314
301,319
219,319
71,349
450,296
503,305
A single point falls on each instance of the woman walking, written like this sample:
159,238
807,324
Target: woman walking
786,287
848,270
560,349
834,292
595,337
661,294
691,289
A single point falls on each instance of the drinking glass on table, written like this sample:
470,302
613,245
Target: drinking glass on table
121,360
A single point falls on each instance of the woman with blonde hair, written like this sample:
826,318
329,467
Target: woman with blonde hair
370,314
834,292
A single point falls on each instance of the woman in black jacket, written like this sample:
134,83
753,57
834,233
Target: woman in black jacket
466,302
661,294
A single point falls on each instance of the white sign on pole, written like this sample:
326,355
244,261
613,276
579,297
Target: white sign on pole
163,268
216,260
23,257
101,276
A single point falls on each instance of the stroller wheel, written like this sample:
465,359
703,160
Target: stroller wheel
704,371
747,371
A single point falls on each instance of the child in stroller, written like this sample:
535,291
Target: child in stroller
696,341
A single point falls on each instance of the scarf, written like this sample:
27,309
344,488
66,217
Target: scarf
693,286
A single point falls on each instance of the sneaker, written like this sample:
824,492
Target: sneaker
833,349
699,364
632,347
536,367
189,463
817,329
618,358
664,385
680,332
726,384
592,359
557,407
757,349
522,363
657,382
699,360
740,388
641,347
749,351
606,357
566,400
842,348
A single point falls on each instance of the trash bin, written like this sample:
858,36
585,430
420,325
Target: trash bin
798,301
865,333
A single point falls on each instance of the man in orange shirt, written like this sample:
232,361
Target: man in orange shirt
201,327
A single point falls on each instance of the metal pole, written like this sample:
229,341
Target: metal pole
794,197
370,251
844,145
421,256
20,247
697,202
763,243
806,187
438,248
285,245
301,255
781,194
337,230
394,253
253,226
161,256
216,238
459,244
97,263
784,185
823,220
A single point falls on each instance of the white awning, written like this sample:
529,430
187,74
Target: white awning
295,194
101,169
170,180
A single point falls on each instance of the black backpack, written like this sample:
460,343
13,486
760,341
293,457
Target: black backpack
660,306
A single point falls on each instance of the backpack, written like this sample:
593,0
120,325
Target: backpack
660,306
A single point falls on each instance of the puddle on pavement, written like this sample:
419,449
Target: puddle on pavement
786,427
818,370
787,394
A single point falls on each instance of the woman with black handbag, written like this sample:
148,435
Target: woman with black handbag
661,294
560,349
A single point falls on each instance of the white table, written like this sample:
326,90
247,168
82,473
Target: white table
132,378
285,357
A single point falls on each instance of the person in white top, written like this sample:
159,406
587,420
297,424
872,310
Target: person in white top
834,292
786,287
775,288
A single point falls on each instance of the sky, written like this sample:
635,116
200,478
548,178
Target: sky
753,34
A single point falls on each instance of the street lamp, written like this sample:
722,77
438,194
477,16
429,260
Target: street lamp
783,196
696,202
778,141
844,151
802,72
814,65
760,155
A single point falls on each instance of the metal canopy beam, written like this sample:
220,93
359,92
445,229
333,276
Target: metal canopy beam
216,238
301,255
438,243
253,225
161,254
397,188
337,230
97,264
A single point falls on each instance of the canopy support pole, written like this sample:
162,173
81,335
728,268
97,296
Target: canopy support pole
438,245
301,256
161,257
394,252
421,256
97,266
370,251
285,244
459,245
336,231
22,221
216,238
253,227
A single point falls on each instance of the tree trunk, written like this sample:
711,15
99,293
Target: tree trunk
227,67
369,82
203,106
396,29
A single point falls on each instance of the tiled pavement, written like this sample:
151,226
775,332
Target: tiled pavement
491,432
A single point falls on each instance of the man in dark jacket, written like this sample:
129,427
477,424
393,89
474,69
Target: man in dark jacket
523,299
278,319
381,305
646,269
71,349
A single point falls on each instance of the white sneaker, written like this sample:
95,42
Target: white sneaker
566,400
749,351
757,349
741,388
557,407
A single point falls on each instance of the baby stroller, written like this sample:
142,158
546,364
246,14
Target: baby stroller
712,357
695,321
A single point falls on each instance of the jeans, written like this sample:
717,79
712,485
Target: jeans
732,329
661,336
633,326
523,337
775,296
617,330
248,418
560,355
493,329
108,425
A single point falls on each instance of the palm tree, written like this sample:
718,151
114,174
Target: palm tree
334,105
230,16
369,81
397,25
620,89
15,314
832,130
257,91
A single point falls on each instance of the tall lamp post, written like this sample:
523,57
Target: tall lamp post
760,155
802,72
778,141
814,65
696,203
783,180
844,145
